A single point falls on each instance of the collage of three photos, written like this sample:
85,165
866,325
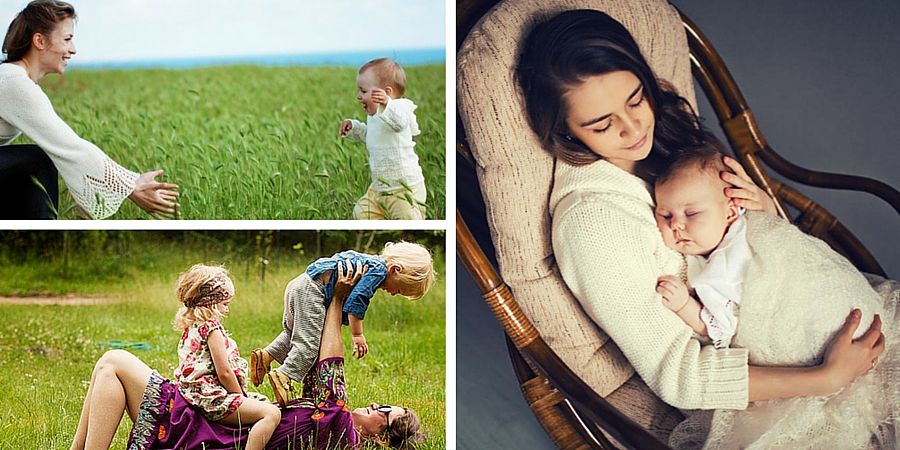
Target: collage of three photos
227,225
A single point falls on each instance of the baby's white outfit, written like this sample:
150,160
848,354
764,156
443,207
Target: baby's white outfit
718,281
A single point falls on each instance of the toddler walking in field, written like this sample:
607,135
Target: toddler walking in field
403,268
211,375
397,190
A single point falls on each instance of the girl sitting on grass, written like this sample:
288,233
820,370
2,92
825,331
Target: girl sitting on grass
211,375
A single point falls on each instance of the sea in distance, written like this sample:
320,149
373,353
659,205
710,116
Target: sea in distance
409,57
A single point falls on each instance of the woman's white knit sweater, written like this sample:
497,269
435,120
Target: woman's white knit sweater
610,254
96,182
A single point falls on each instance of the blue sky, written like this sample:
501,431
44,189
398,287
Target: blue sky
128,30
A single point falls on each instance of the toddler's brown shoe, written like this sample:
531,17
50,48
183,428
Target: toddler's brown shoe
281,386
259,365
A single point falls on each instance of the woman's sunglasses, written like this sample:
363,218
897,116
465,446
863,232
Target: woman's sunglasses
386,410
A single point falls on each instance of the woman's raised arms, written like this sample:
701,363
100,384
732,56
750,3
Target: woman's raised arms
332,344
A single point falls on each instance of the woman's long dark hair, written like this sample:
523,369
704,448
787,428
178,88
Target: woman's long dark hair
40,16
563,52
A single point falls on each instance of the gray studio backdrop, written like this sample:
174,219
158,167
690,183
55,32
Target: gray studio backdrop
822,80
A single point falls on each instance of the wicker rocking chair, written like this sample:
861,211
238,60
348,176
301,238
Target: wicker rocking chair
581,408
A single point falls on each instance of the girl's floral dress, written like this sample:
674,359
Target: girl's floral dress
196,374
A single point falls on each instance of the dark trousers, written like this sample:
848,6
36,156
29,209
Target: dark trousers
22,167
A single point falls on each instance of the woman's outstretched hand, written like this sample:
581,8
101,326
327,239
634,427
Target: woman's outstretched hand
743,191
848,359
156,198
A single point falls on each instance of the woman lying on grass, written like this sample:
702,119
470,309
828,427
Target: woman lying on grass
163,419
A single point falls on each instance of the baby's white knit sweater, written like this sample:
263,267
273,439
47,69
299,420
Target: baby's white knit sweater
388,137
96,182
610,254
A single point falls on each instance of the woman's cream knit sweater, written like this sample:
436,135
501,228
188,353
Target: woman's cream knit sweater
96,182
610,254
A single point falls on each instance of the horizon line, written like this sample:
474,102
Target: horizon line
341,57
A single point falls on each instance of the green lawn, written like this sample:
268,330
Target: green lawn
47,352
245,142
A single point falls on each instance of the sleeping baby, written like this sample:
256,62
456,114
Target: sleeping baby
756,281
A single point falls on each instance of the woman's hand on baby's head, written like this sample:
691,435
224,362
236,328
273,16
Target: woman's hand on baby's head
743,191
346,126
673,291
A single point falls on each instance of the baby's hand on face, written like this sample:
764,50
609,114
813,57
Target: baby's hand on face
346,126
380,97
674,292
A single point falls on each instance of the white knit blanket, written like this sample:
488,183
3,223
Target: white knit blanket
797,294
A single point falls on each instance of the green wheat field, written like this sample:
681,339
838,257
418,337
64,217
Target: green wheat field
47,352
245,142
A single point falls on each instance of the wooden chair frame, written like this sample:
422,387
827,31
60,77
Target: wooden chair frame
574,416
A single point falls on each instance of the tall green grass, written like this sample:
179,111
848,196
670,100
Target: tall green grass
47,352
245,142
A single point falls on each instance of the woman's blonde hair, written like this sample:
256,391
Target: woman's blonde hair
199,289
416,266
